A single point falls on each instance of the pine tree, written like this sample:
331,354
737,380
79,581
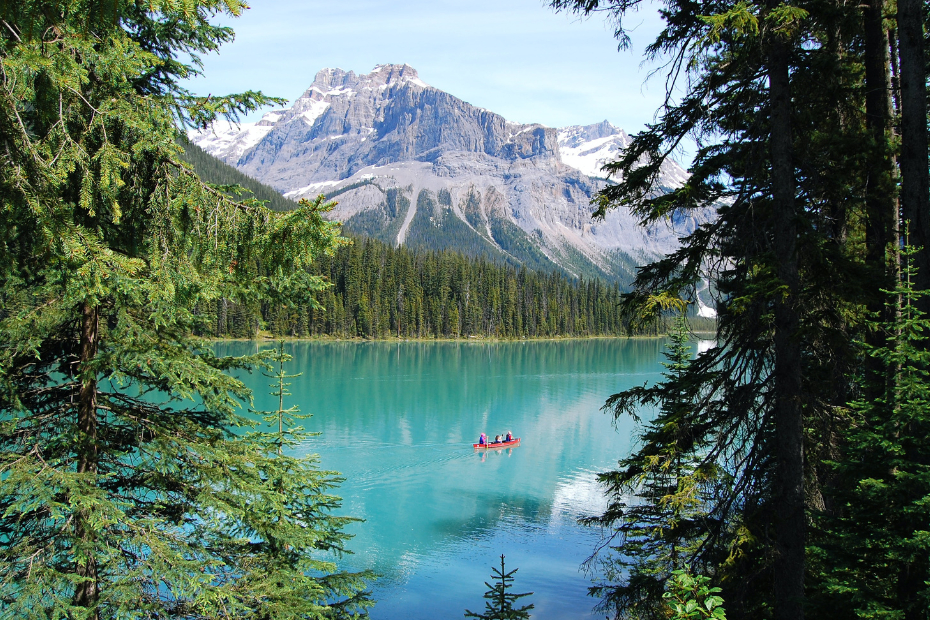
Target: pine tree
131,487
915,178
656,515
500,603
873,552
774,95
283,418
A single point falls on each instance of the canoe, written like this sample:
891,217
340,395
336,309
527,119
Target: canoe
494,446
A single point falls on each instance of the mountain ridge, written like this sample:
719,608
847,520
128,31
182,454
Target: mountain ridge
411,164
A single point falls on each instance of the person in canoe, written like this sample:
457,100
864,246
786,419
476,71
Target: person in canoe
497,439
509,436
483,440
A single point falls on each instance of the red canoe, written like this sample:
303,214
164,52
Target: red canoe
494,446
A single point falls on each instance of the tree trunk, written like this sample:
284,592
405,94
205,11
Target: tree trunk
881,206
881,236
915,178
790,525
915,207
87,593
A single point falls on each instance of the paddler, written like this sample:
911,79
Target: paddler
483,440
509,436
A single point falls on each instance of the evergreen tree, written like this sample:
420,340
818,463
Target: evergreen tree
283,418
788,103
657,498
915,177
500,603
131,487
874,550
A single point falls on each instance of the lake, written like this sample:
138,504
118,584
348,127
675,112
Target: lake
398,420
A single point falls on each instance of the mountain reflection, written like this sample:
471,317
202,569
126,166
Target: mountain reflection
398,420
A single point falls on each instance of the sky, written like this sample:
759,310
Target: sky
517,58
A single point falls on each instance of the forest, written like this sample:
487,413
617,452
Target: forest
379,291
786,472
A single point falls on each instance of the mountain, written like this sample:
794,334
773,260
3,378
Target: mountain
411,164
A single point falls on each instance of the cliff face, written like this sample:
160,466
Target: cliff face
409,163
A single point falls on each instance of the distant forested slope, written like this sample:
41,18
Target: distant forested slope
379,291
215,171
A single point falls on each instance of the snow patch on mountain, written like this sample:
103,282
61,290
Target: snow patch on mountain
704,310
673,175
229,141
316,110
588,148
310,191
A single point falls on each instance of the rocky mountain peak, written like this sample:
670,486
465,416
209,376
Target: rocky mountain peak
336,82
392,74
575,135
413,164
330,79
589,147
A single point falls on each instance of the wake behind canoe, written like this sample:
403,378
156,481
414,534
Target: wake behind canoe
494,446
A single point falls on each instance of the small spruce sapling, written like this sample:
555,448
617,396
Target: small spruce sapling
873,553
499,604
285,418
657,516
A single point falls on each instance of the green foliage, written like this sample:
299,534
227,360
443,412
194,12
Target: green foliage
215,171
435,227
797,266
131,486
740,19
657,513
500,603
284,419
379,291
873,552
690,597
513,240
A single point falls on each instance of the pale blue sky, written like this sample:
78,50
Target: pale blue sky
515,57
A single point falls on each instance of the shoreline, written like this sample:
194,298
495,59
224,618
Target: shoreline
263,337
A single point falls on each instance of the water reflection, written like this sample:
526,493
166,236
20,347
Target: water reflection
484,452
399,419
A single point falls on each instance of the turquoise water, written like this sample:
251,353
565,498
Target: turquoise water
398,420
